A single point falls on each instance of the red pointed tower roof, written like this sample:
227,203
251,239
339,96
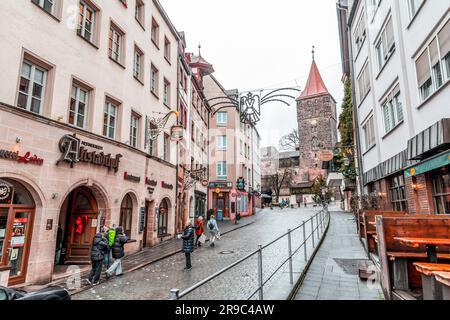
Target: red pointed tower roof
315,85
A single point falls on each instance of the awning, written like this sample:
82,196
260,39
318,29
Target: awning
429,165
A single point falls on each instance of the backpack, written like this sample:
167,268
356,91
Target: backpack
210,225
111,237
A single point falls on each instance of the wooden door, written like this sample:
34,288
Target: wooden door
18,241
82,227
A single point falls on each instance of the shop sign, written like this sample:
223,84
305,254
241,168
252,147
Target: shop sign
152,183
166,185
27,158
223,185
429,165
130,177
73,151
142,219
205,183
240,184
6,192
326,155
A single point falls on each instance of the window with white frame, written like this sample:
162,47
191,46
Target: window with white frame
138,64
115,43
222,170
414,6
154,79
392,109
360,32
110,119
433,65
134,127
222,118
369,133
166,97
32,87
363,83
385,45
79,102
374,4
167,49
47,5
222,143
86,21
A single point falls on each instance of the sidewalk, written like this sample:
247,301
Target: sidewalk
154,254
333,274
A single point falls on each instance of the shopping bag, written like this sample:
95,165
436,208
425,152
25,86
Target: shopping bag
218,236
202,239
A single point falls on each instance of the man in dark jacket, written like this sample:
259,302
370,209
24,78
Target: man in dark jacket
188,244
118,252
98,252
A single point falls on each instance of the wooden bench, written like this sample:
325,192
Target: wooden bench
368,222
396,259
444,279
432,289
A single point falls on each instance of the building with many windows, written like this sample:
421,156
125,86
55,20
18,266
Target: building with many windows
400,62
80,80
231,164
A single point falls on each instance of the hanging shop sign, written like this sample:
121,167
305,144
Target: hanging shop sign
73,151
166,185
130,177
240,184
27,158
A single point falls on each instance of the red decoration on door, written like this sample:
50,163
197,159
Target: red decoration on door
81,223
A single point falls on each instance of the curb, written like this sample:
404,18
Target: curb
142,265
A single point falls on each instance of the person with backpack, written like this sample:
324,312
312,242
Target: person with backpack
213,229
188,243
110,236
118,252
98,252
199,230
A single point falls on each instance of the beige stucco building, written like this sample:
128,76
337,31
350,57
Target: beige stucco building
80,80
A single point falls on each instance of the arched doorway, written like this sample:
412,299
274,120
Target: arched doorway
126,215
77,225
17,210
163,218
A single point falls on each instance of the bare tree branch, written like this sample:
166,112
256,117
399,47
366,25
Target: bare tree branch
290,141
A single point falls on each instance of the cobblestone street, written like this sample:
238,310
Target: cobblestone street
156,280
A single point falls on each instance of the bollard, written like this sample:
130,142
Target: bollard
304,242
260,273
312,231
175,294
290,256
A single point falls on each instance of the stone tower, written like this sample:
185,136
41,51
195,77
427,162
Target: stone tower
317,125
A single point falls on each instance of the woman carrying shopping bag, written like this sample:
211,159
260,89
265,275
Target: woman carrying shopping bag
199,230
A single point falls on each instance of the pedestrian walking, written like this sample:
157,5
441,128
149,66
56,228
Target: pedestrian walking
188,243
98,251
213,229
118,252
199,230
238,218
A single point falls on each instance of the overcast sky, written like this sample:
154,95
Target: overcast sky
256,44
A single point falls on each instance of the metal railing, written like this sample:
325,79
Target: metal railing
317,225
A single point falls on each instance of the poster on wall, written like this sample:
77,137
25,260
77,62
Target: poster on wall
14,254
17,241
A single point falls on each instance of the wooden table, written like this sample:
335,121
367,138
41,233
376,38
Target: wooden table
430,244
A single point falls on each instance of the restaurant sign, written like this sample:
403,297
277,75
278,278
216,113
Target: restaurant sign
73,151
130,177
27,158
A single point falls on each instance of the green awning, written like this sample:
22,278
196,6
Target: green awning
429,165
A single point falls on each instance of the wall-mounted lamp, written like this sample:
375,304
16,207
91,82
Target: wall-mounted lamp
55,195
415,187
19,139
